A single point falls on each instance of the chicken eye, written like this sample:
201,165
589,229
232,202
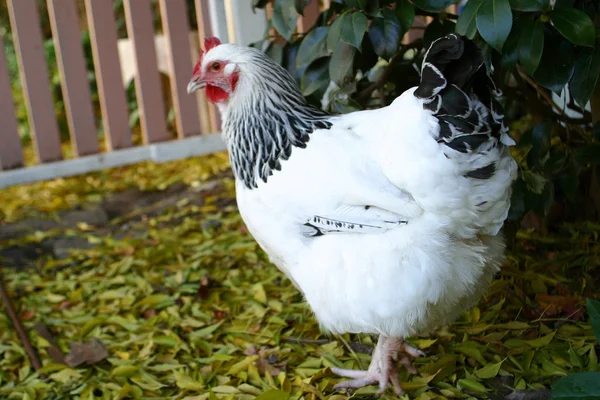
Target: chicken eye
215,67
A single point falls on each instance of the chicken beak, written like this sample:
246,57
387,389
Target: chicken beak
194,85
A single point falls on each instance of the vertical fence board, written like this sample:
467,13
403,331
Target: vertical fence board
64,23
27,35
175,25
11,153
205,30
103,35
138,17
311,14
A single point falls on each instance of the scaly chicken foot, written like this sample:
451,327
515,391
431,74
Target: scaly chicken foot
383,368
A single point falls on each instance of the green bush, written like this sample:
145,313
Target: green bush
536,49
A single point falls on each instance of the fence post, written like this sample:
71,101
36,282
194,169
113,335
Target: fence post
205,30
174,19
27,36
138,17
71,64
107,65
11,153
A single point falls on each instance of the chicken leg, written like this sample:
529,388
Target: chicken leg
383,368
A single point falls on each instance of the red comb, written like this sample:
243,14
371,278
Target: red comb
211,42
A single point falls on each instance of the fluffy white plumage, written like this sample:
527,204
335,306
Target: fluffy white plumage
407,279
376,220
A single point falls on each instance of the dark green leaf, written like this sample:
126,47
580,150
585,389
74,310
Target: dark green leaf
353,3
597,130
529,5
585,75
510,50
581,386
335,32
593,309
372,8
540,141
546,200
563,4
494,21
589,154
259,3
342,59
353,28
313,46
517,201
290,52
316,76
301,5
535,182
436,29
275,52
385,34
405,12
467,24
531,45
556,66
568,181
285,18
574,25
433,5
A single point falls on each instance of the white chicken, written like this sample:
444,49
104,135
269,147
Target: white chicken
386,220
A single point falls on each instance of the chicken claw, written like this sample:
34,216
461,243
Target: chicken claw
384,366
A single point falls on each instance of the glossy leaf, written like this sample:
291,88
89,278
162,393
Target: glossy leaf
494,22
316,76
301,5
489,371
285,18
529,5
353,28
275,52
531,45
259,3
370,7
585,75
575,25
433,5
510,51
385,34
556,66
583,385
405,12
535,182
540,140
467,20
341,63
313,46
593,309
588,154
335,33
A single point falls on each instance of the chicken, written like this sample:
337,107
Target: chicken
388,221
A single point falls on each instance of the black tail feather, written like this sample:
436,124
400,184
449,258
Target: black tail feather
456,87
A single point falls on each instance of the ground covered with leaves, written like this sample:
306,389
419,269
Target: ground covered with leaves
189,307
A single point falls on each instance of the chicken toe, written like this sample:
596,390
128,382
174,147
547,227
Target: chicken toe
383,368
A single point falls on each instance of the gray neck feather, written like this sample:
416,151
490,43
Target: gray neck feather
265,119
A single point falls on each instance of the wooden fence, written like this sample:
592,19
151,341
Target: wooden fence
196,122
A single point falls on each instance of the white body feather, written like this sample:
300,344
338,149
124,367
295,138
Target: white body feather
408,278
